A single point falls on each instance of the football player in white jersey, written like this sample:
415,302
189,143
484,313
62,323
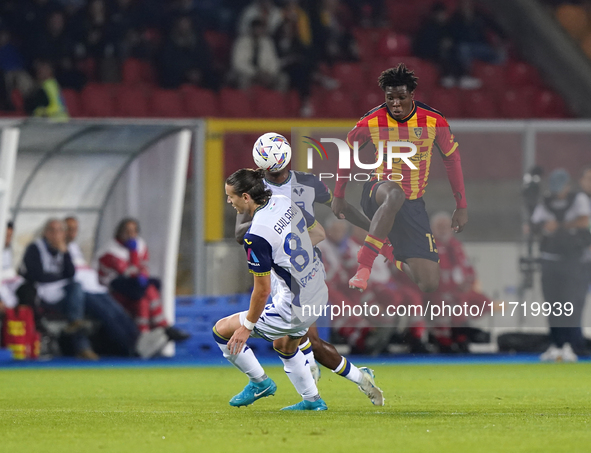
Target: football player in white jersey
305,189
278,249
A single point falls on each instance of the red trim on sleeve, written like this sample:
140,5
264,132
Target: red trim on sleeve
453,166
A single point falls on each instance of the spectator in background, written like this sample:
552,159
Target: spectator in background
47,264
255,60
123,268
12,66
57,46
187,58
129,23
118,332
470,30
585,184
98,40
10,280
562,219
263,10
7,250
293,40
332,33
457,285
369,13
434,42
46,100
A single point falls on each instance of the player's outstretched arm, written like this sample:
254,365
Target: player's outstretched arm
258,300
317,233
243,222
356,217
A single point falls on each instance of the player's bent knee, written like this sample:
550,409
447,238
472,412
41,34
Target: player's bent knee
394,199
429,285
286,345
225,327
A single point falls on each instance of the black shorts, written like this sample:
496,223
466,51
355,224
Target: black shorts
411,234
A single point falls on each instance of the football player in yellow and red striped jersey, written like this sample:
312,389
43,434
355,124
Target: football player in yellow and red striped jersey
392,199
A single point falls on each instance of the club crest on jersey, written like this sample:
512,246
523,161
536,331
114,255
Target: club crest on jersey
418,131
299,191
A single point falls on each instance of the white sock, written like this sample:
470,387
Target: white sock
306,348
349,371
245,361
297,369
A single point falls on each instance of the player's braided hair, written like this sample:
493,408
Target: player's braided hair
398,76
251,182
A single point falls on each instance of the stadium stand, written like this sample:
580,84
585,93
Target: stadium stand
124,80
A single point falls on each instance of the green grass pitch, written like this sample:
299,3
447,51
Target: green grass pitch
429,408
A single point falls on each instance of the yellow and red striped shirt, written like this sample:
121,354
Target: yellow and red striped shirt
426,128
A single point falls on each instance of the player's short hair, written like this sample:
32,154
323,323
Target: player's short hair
123,223
251,182
398,76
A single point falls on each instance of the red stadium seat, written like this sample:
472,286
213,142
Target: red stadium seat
270,104
88,68
97,101
339,104
220,45
235,103
16,97
366,41
294,103
393,44
350,76
319,107
72,100
521,74
131,72
199,102
136,72
166,104
516,104
547,104
447,102
405,16
492,76
479,104
132,102
369,100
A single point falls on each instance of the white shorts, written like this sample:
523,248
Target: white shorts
271,326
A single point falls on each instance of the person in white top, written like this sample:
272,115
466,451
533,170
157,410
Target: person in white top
562,219
10,280
281,257
119,333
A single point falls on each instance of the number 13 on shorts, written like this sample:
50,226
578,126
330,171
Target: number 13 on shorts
432,245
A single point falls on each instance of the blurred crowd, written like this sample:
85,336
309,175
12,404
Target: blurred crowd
389,287
278,44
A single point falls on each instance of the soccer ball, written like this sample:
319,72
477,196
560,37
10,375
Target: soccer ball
271,152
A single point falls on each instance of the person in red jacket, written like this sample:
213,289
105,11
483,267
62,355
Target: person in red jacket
457,284
123,268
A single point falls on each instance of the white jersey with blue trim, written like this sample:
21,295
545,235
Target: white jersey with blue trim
278,243
304,189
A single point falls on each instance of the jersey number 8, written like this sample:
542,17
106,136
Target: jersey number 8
293,247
